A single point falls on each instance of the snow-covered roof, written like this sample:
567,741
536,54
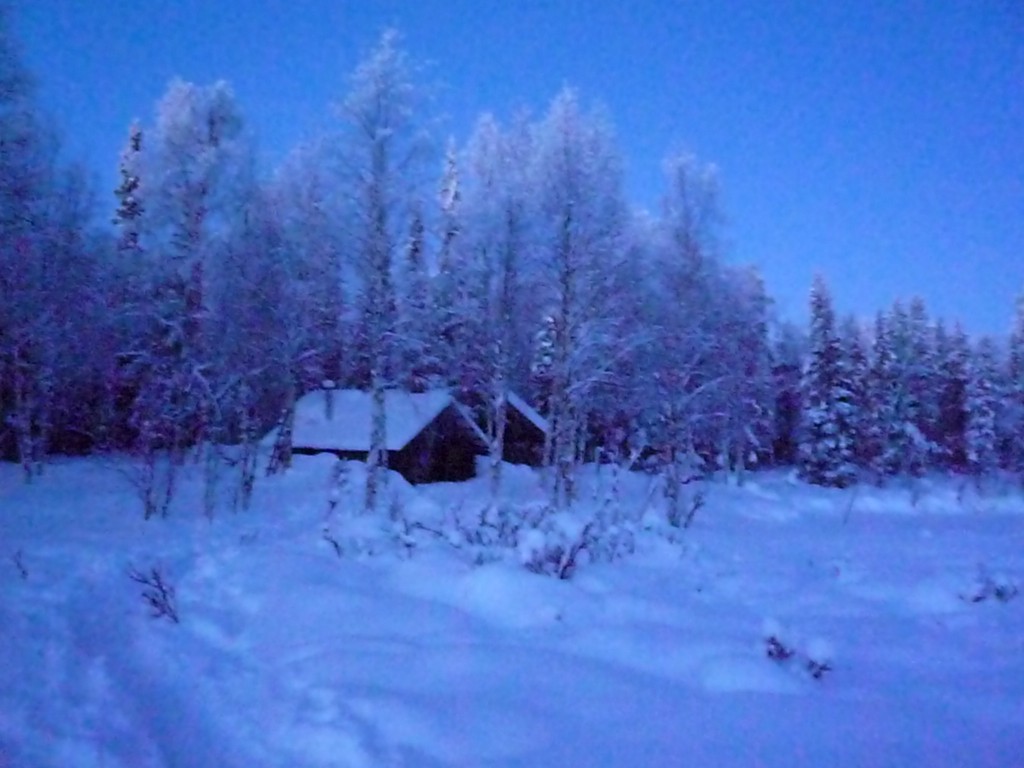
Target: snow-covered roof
350,426
527,410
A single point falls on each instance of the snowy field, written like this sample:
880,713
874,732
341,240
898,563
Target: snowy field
895,611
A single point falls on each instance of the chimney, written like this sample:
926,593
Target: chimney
328,387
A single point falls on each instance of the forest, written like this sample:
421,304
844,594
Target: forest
179,318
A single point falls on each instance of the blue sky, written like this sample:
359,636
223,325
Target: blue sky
880,143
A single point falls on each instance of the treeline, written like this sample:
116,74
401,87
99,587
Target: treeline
374,259
906,396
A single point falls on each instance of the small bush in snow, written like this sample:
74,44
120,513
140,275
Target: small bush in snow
1004,592
818,658
776,650
19,563
543,540
987,586
682,515
501,526
815,660
562,542
556,548
157,592
817,669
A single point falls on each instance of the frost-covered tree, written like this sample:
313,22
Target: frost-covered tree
922,376
952,352
128,278
382,146
30,285
419,366
542,362
195,174
684,271
497,214
882,383
75,291
701,379
1014,422
266,341
296,228
900,381
128,214
746,398
577,182
829,418
788,354
309,201
980,437
459,320
855,360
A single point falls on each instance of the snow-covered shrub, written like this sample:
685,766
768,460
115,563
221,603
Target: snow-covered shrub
562,542
557,546
543,540
776,650
498,527
681,515
532,533
19,562
818,657
350,531
814,656
987,586
154,477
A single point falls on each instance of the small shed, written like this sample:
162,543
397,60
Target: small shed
430,437
525,432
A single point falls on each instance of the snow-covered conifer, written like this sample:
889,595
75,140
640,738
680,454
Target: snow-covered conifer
787,356
899,381
854,355
28,331
129,194
953,353
922,377
980,437
1014,426
828,422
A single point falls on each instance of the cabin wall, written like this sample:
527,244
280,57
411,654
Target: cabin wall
524,443
443,452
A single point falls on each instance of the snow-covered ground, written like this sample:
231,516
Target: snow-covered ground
419,647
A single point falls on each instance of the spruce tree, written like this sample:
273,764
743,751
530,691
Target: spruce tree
899,381
854,355
952,353
130,208
44,279
922,379
828,412
980,436
419,368
881,383
460,295
788,352
1014,443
